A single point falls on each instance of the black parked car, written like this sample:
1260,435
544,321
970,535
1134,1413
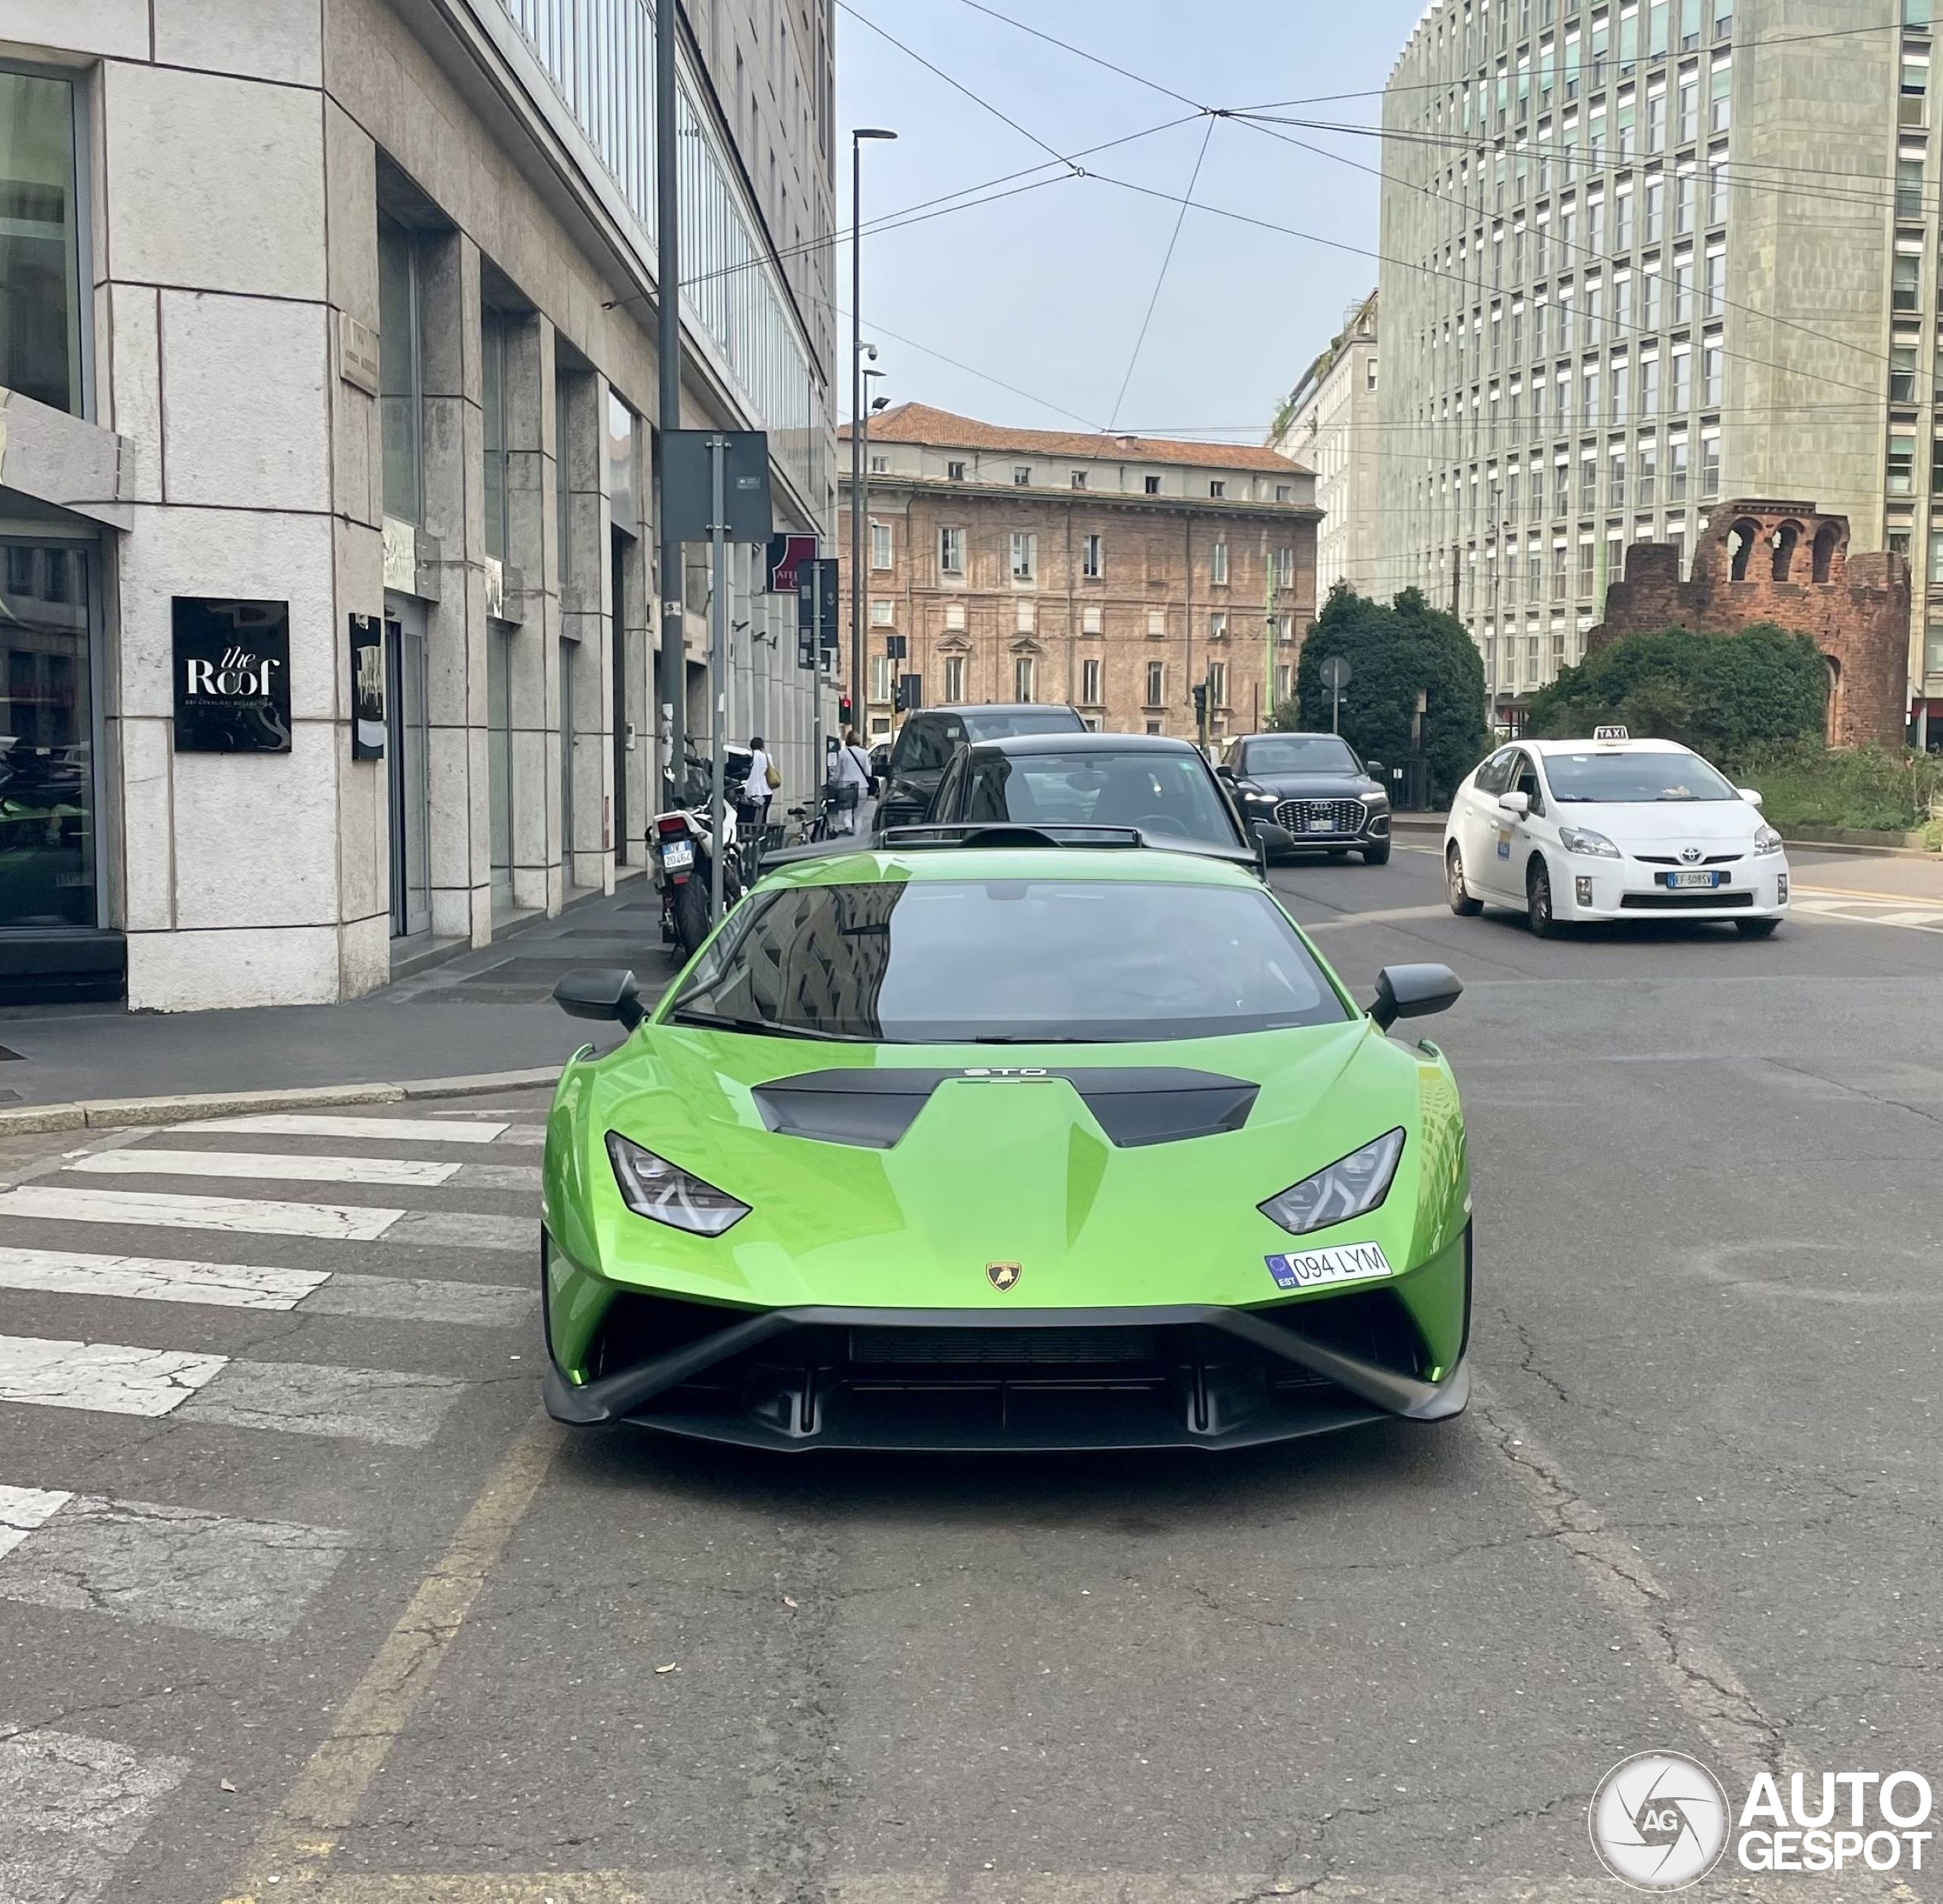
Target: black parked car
1314,787
926,741
1161,786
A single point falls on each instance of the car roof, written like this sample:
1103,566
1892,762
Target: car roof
1276,733
997,707
1085,743
1107,865
1543,747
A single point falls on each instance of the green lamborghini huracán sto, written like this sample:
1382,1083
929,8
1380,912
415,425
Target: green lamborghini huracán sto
1011,1139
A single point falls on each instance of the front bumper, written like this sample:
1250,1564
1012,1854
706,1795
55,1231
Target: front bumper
1192,1375
1585,890
1369,828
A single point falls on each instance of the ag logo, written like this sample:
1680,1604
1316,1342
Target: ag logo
1659,1821
1001,1276
1690,854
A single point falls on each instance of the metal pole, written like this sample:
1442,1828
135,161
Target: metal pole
1335,710
667,221
859,424
718,658
815,678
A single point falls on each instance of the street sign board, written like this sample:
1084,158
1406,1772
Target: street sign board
1335,673
232,676
897,647
688,485
789,555
821,576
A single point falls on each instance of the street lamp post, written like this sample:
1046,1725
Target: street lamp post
860,423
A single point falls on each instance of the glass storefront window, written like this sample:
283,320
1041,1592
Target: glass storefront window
46,737
40,323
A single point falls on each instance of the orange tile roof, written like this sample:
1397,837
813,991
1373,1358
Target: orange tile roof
939,429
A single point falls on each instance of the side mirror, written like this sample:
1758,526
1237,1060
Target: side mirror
1276,839
1517,804
1752,795
1413,991
609,993
1374,769
1226,772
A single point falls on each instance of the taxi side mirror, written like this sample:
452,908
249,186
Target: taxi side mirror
1413,991
1517,804
1752,795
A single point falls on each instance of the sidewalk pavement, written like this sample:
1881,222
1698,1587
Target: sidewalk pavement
486,1013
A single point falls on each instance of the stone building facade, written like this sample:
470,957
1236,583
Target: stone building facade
1329,425
1787,563
349,307
1110,572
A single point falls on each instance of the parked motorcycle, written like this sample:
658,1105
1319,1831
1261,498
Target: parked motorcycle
684,848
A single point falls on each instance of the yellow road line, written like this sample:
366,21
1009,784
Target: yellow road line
1850,892
295,1845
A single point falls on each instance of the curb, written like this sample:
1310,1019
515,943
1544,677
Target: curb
108,1114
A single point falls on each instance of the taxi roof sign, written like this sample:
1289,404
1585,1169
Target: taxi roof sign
1610,733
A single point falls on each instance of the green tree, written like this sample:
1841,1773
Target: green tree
1721,695
1395,654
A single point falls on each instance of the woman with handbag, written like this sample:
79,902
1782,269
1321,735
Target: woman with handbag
849,781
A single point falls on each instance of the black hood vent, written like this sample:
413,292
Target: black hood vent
873,1109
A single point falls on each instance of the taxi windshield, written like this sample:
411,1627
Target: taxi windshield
1634,779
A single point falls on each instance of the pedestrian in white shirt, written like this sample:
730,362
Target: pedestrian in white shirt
850,779
756,793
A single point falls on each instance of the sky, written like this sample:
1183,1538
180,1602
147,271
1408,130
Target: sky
1028,309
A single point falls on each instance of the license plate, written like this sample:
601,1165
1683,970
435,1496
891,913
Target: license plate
1320,826
1348,1262
678,854
1682,881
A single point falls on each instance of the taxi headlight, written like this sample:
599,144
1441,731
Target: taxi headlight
1582,839
1352,1185
652,1187
1766,839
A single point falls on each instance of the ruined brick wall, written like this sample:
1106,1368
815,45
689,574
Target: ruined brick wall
1787,563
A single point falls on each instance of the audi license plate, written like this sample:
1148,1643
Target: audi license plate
1683,882
677,855
1322,825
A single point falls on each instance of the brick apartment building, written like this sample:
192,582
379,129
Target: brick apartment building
1113,572
1787,563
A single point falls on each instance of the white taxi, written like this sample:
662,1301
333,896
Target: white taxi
1612,828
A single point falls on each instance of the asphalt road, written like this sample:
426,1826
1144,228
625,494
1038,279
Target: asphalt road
298,1599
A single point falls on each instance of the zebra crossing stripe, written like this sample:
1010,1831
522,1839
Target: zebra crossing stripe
243,1215
252,1163
226,1285
109,1377
424,1130
22,1509
71,1808
169,1566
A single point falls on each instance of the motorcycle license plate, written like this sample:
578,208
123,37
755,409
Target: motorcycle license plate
677,855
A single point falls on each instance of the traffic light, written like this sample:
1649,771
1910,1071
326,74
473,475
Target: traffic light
1200,701
843,711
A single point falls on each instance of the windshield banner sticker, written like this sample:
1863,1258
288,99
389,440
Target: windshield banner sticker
1348,1262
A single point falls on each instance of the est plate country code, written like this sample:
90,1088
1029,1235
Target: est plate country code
1347,1262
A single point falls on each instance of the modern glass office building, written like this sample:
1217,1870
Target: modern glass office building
1640,256
328,395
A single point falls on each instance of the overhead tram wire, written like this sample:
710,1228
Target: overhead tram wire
1174,238
1245,118
1452,84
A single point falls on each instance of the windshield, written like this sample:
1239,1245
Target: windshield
1001,723
1619,780
1007,961
1161,793
1299,754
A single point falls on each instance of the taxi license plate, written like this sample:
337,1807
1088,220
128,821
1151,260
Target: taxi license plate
1683,882
678,854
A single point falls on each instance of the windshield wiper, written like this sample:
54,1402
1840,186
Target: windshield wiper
718,1021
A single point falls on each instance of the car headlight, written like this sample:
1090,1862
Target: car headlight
1766,839
652,1186
1352,1185
1259,795
1581,839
